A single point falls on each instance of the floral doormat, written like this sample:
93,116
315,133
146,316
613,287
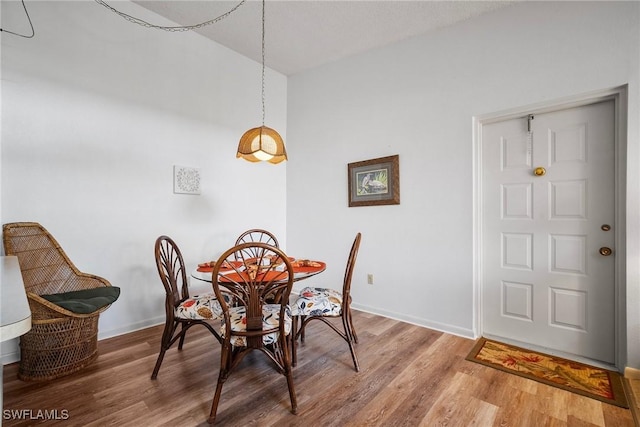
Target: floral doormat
586,380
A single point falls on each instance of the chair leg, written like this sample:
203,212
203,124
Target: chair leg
294,341
292,392
167,334
353,356
225,369
216,399
183,334
283,355
154,375
353,329
302,325
351,338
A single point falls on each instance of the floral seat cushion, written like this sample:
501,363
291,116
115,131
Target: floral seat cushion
270,319
318,302
199,307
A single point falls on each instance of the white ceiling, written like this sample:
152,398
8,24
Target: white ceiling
304,34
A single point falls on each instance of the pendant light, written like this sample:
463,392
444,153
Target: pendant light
262,144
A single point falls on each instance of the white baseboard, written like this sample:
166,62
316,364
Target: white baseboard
10,357
132,327
632,373
442,327
425,323
11,350
13,355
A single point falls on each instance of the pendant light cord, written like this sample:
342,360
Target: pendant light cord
171,29
263,109
138,20
33,33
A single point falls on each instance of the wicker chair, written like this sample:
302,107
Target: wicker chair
256,235
182,310
259,317
325,304
60,341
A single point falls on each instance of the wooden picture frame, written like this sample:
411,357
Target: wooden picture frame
374,182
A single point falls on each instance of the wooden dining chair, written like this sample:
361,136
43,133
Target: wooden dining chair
325,304
182,310
257,235
259,318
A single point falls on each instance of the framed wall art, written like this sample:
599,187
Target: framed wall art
374,182
186,180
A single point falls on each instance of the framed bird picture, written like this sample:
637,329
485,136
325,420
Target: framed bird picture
374,182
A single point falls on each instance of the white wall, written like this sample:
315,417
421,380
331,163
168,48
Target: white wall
417,99
95,113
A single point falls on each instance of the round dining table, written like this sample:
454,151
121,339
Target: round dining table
301,270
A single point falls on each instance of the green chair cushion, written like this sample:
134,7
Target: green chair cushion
85,301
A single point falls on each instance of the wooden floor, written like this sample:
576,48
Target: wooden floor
410,376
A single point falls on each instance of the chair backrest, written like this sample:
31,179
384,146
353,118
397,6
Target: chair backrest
351,262
266,278
257,235
172,272
46,269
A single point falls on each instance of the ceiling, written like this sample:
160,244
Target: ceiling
303,34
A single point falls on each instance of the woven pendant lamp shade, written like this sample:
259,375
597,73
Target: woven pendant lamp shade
262,144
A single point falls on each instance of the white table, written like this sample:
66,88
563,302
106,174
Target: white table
15,314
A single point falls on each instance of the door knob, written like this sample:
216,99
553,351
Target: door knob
539,171
604,251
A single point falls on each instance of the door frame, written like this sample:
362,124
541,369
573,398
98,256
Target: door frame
619,97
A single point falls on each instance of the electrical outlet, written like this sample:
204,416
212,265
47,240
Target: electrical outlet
370,279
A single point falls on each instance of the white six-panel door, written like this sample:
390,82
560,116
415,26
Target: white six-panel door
547,228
